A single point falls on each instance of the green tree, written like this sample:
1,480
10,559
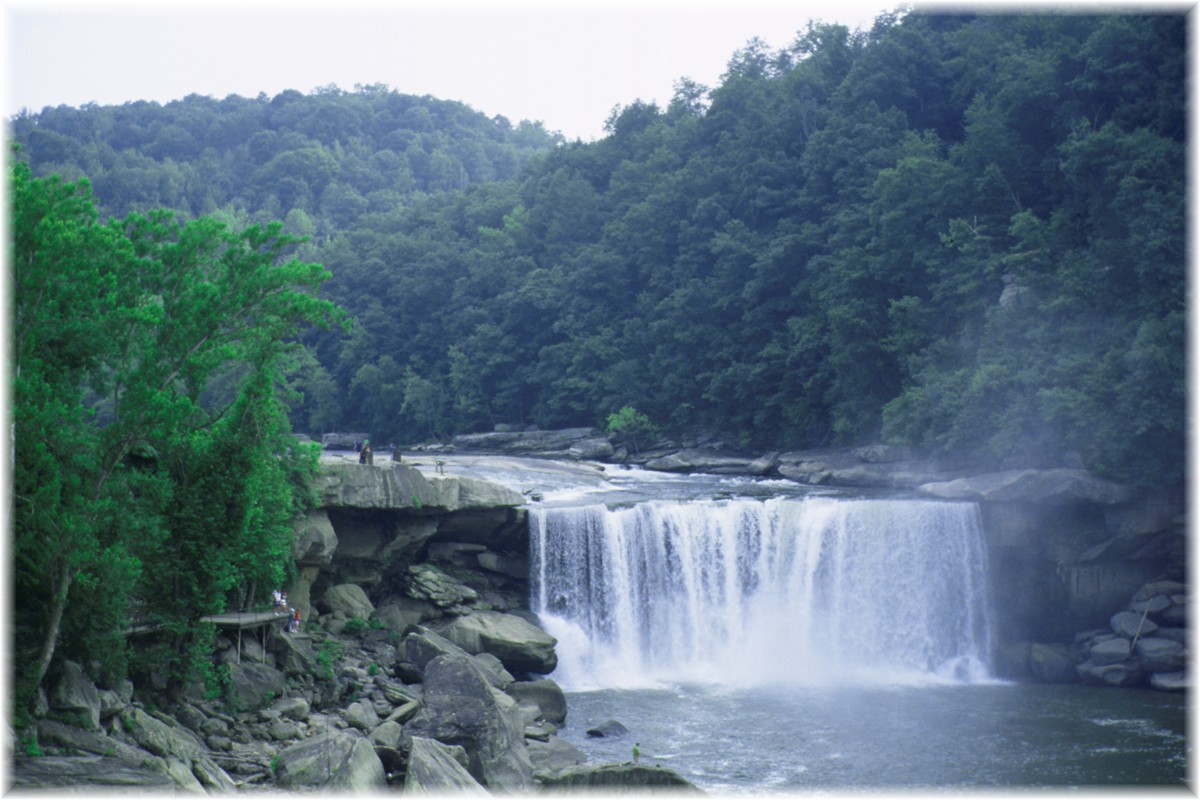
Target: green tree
120,331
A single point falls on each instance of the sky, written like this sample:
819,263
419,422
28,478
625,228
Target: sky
566,64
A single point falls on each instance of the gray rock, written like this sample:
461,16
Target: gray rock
884,453
350,599
541,443
1051,664
71,738
360,771
255,685
546,695
493,668
510,566
1061,486
764,464
1129,624
312,762
110,703
553,756
1110,651
361,715
427,582
1126,673
1170,681
423,645
436,768
1155,605
617,778
461,708
1153,588
1176,615
74,693
595,449
282,730
172,741
90,772
399,614
1174,634
316,540
611,728
388,734
520,646
296,708
698,460
1161,655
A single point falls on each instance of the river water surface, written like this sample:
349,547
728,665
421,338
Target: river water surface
870,738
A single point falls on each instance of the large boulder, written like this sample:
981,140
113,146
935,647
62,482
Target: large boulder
74,693
545,694
361,771
422,645
255,684
1125,673
177,744
1161,655
1129,624
350,599
553,756
520,646
700,460
427,582
312,762
461,708
90,774
315,539
436,768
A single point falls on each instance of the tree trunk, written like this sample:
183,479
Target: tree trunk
52,626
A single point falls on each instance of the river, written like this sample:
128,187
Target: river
756,636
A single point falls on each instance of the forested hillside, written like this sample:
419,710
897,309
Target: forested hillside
960,231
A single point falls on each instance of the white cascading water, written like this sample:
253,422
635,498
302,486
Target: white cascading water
743,592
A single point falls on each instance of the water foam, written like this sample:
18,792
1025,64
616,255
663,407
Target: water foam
745,592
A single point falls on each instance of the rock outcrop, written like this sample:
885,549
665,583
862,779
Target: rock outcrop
617,778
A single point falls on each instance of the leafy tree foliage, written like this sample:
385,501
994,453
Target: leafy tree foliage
152,468
964,231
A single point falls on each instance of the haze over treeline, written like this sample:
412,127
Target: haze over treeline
965,232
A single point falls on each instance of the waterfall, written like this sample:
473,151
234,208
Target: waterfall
813,590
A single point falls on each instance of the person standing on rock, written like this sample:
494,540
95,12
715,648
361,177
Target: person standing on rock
365,456
637,752
295,626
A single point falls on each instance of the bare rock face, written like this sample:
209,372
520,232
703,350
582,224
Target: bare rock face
395,486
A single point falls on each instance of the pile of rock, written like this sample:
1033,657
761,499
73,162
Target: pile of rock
1144,644
1147,643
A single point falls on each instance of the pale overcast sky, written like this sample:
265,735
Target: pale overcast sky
564,63
567,63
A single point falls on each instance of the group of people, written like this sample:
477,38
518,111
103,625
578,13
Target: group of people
367,456
281,604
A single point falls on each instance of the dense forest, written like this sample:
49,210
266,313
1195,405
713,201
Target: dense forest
965,232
